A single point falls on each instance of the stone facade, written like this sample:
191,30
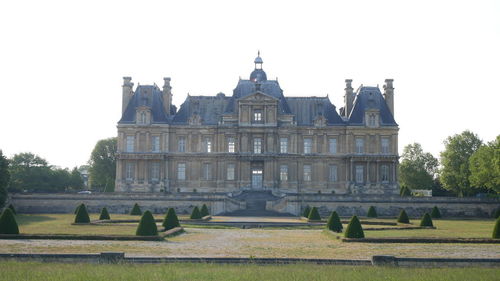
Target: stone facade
257,139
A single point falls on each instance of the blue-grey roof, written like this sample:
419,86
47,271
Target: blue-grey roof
209,108
149,96
370,98
306,109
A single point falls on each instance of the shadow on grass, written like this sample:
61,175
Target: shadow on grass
29,219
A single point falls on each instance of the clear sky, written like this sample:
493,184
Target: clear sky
62,62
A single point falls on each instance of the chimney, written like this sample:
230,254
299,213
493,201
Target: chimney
389,94
127,92
167,95
348,97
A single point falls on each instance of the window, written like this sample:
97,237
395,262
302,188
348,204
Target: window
307,146
181,171
257,116
283,173
333,173
384,173
283,145
181,144
371,120
360,145
230,172
307,172
257,145
359,174
129,171
155,143
231,145
143,118
332,146
130,144
207,171
207,145
155,172
385,145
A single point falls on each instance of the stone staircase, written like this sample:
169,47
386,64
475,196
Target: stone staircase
256,204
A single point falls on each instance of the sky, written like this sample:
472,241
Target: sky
62,62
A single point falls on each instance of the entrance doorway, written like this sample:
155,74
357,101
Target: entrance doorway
257,178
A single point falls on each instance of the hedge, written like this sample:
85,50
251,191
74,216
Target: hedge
204,211
426,220
372,213
171,221
82,216
8,223
104,214
354,229
314,215
403,217
334,224
436,214
136,210
195,215
306,212
147,225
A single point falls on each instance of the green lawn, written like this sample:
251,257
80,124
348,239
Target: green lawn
27,271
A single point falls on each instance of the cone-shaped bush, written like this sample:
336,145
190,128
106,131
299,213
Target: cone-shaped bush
11,207
204,211
426,220
405,191
436,214
147,225
354,229
8,224
104,214
496,214
496,230
82,216
403,217
136,210
314,214
372,213
334,224
195,215
170,221
306,212
76,209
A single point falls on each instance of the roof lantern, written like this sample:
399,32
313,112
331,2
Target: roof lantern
258,75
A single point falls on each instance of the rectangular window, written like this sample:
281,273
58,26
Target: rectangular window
207,145
230,172
257,116
307,172
333,173
283,173
360,145
385,146
155,143
283,145
129,171
181,171
257,145
155,172
181,144
307,146
231,145
207,171
332,146
384,173
359,174
130,144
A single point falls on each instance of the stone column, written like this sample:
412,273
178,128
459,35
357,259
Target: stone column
368,172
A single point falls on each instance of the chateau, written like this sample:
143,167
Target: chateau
257,139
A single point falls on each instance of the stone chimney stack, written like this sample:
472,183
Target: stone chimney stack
127,92
167,95
389,94
348,97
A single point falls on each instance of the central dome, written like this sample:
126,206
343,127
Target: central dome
258,75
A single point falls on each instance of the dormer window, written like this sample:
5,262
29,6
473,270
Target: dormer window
143,118
257,116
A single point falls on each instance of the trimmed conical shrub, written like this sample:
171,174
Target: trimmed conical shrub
76,209
496,230
334,224
306,212
195,215
136,210
426,220
11,207
82,216
104,214
147,225
314,214
204,211
436,214
8,224
496,214
405,191
171,220
403,217
354,229
372,213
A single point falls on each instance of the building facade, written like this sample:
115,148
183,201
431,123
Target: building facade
257,139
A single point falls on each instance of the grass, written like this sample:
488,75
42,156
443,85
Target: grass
16,271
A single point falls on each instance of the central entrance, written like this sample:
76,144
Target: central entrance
257,175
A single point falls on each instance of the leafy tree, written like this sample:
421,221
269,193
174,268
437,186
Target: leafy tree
4,178
426,220
314,214
75,180
334,224
171,220
354,229
8,224
195,215
204,211
103,164
306,212
136,210
485,166
496,230
147,225
372,213
82,216
435,213
29,172
455,162
417,168
104,214
403,217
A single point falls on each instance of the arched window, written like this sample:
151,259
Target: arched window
143,117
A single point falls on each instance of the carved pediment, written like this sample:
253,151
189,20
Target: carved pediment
195,119
258,96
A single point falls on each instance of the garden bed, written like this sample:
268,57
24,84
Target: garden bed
81,237
424,240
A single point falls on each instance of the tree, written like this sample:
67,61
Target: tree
426,220
334,224
404,191
372,213
29,172
75,179
147,225
103,164
104,214
195,215
435,213
136,210
496,229
82,216
314,214
485,166
455,162
171,220
8,224
4,178
354,229
417,168
403,217
204,211
306,212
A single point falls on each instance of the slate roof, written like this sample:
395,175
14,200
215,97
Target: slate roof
370,98
210,108
306,109
147,95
